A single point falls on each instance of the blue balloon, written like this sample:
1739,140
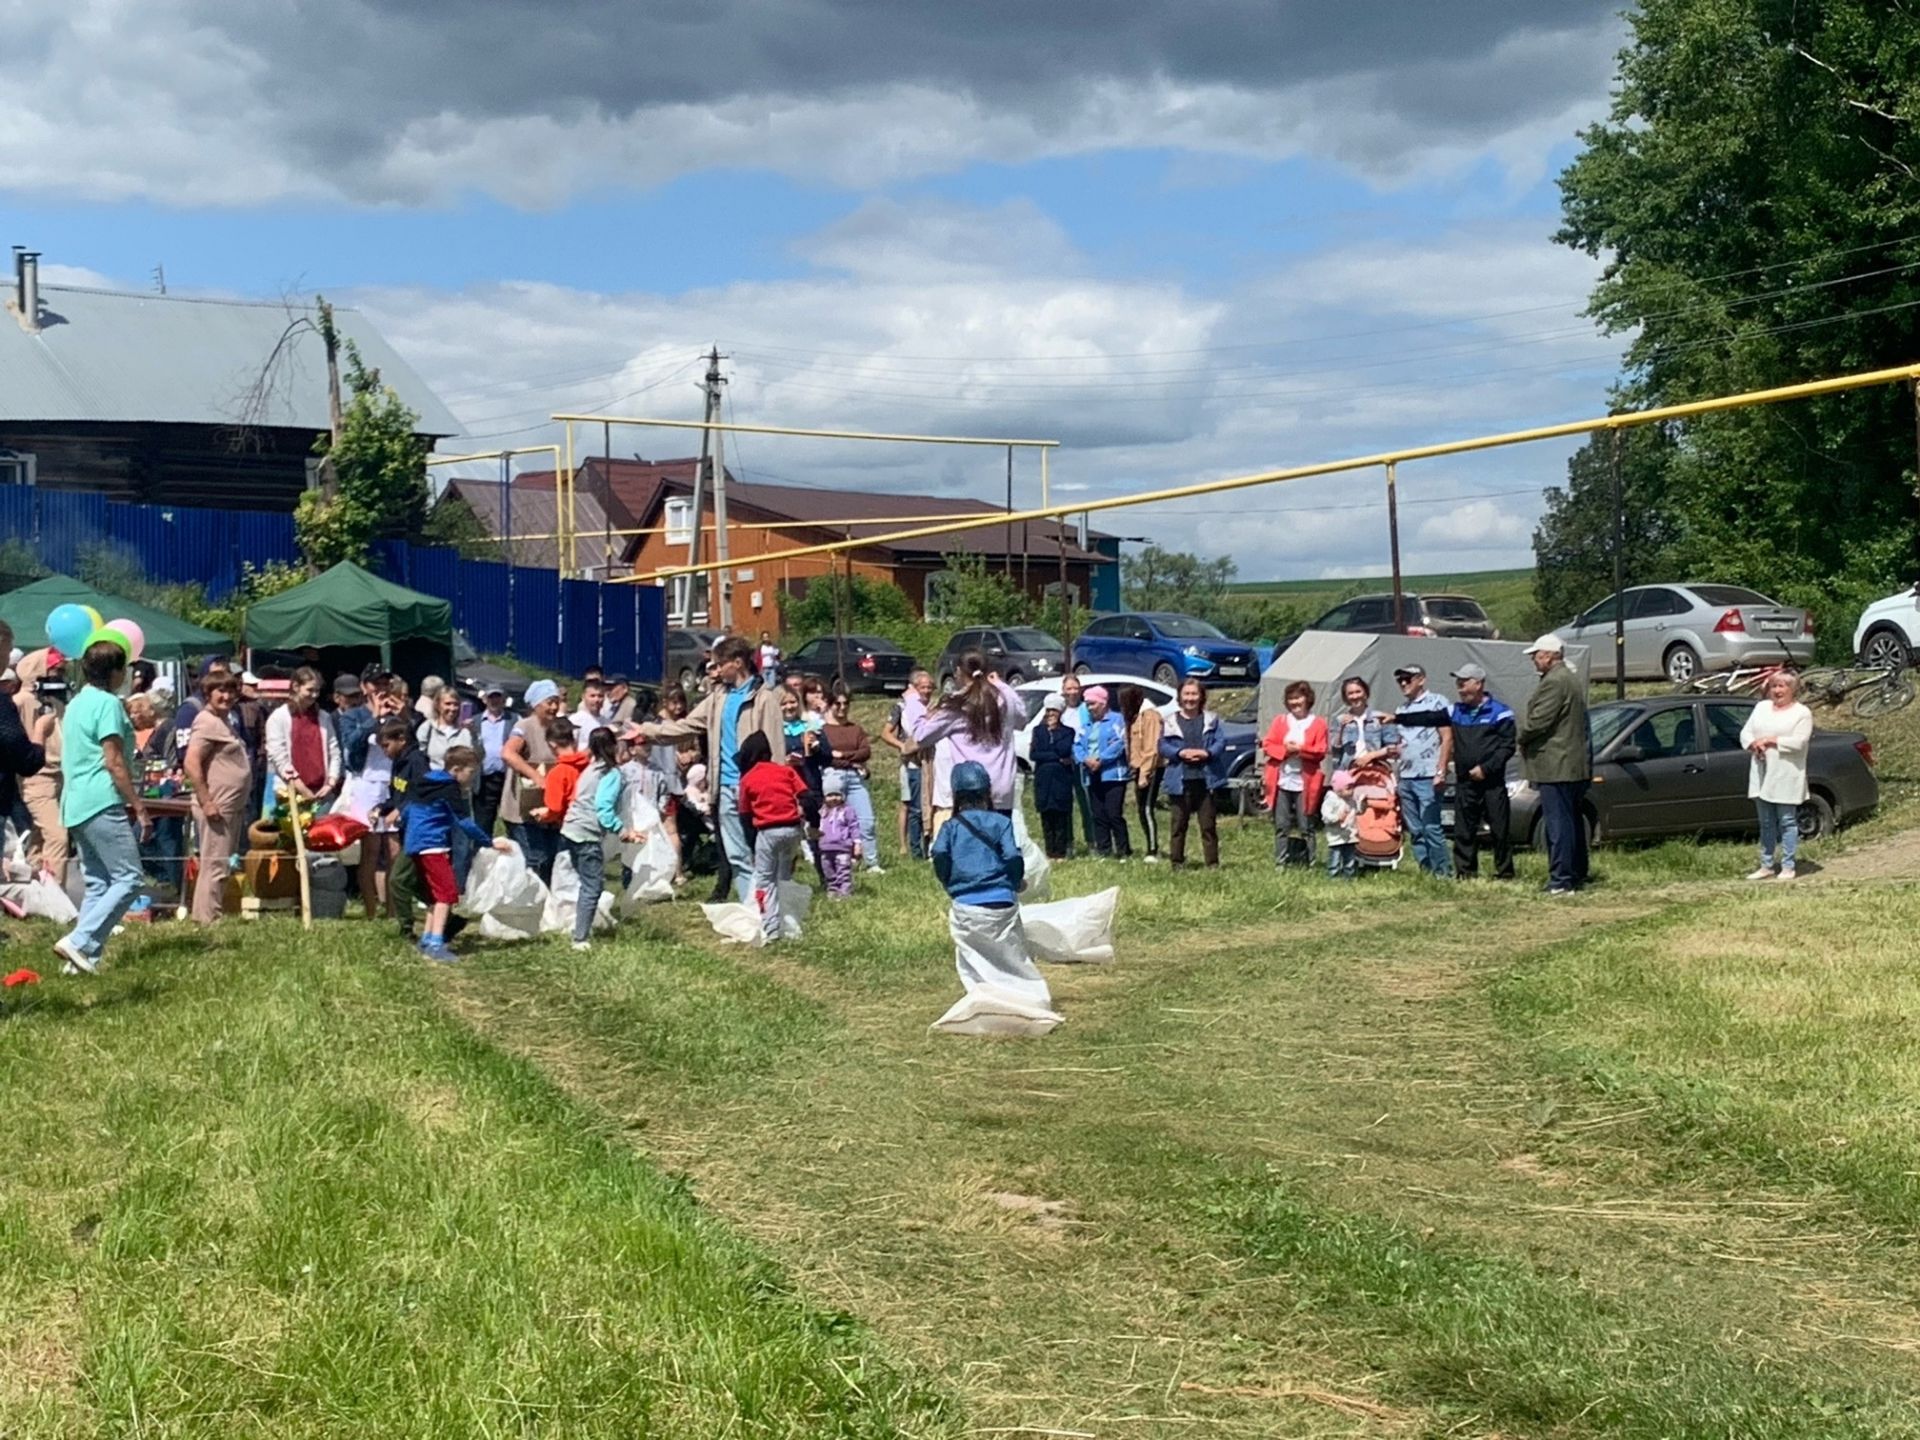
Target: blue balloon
68,627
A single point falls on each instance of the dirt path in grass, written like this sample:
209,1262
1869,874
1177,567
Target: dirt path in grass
1030,1222
1894,857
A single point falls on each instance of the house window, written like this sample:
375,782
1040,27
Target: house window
679,518
16,468
1055,590
689,602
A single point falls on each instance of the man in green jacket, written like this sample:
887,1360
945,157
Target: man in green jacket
1553,742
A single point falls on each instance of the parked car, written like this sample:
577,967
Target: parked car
1673,765
687,651
1034,693
1019,653
1681,631
1164,646
874,665
1889,630
473,677
1459,617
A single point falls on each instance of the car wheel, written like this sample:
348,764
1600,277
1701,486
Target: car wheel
1083,671
1817,819
1885,646
1537,836
1166,675
1016,679
1682,664
946,682
687,679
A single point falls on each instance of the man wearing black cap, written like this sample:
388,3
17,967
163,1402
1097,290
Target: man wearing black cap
620,702
1483,738
492,727
1425,752
352,721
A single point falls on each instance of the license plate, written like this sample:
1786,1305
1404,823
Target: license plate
893,684
1778,627
1233,670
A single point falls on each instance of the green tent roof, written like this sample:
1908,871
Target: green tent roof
347,606
168,636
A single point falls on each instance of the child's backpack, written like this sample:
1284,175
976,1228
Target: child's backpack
1376,824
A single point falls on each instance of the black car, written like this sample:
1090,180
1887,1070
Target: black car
1674,765
1457,617
1020,653
874,665
473,677
687,651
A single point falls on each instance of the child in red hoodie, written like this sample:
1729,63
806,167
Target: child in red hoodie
770,801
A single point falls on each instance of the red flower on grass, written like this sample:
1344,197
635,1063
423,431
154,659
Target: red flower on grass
20,977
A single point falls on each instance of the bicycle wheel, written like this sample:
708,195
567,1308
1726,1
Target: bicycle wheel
1822,686
1715,684
1893,693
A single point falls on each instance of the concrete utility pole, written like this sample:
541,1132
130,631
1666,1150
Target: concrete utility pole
721,548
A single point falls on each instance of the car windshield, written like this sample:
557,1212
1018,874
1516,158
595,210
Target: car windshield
1729,595
1185,627
1454,607
1606,722
1032,640
871,642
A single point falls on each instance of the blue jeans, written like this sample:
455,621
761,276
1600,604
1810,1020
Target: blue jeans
1420,812
916,822
733,840
1343,861
860,801
590,868
109,849
1779,827
539,843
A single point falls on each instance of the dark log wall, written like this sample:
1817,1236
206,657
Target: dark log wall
201,465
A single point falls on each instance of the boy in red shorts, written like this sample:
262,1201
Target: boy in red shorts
435,807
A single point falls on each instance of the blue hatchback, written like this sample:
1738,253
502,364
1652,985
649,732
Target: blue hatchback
1165,647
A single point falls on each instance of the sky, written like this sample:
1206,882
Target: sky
1189,239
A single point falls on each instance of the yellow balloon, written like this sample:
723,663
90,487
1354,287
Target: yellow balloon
94,615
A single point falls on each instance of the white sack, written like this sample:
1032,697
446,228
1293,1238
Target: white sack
1005,995
562,895
1036,886
1070,932
17,868
505,899
41,899
652,861
740,924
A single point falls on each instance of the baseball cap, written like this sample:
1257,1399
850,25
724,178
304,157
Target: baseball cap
247,677
1548,645
1470,671
1055,701
617,679
346,685
495,688
213,663
1402,672
540,690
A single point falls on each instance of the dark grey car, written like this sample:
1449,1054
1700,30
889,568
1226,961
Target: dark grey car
1019,652
687,657
1673,765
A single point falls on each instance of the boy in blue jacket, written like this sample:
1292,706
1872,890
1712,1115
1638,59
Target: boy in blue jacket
435,806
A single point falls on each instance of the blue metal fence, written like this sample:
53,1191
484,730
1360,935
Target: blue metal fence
622,627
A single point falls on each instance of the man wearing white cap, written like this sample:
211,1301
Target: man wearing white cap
1553,742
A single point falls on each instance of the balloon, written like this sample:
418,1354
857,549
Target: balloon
94,616
135,636
108,633
68,627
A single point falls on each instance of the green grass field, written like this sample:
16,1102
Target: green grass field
1506,594
1390,1158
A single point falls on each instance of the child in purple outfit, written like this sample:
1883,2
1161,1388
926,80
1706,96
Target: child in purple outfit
839,835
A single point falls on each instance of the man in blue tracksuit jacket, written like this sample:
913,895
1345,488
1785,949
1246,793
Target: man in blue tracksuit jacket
1483,745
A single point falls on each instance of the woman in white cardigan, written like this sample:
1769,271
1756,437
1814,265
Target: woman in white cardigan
1777,735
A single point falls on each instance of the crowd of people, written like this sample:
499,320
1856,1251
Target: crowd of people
763,773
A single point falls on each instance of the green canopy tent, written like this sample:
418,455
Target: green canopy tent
168,636
356,615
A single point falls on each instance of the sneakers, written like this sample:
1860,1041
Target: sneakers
582,945
1765,872
1151,860
1784,876
75,962
436,950
875,870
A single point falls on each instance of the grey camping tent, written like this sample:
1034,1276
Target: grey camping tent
1323,658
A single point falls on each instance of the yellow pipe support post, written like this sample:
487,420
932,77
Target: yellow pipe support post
1622,421
566,523
739,429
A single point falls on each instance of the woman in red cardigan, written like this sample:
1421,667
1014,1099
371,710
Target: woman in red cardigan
1296,746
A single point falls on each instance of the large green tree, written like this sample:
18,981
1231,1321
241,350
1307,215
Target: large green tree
1756,196
379,471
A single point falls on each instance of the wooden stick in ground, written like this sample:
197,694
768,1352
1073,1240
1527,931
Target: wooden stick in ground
300,859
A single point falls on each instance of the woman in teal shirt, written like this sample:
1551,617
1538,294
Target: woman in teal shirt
96,802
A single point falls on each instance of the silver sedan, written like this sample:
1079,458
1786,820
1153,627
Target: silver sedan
1682,631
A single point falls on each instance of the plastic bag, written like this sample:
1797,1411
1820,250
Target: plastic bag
564,893
740,924
1072,932
505,898
1005,995
1037,885
652,861
17,869
40,898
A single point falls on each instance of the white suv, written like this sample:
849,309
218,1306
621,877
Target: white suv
1889,630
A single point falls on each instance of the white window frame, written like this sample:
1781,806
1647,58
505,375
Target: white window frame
18,467
684,596
677,515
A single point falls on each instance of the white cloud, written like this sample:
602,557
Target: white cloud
1476,525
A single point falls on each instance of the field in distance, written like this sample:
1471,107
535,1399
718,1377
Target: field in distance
1506,594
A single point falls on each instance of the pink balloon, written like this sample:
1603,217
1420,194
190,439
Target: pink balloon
136,637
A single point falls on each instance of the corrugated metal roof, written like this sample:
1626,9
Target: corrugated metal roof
105,356
535,513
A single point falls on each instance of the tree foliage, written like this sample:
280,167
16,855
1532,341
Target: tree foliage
1159,579
380,474
969,593
1755,195
452,523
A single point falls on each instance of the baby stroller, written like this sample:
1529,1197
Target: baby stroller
1377,829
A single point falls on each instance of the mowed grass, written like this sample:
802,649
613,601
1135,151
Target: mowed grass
263,1186
1309,1159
